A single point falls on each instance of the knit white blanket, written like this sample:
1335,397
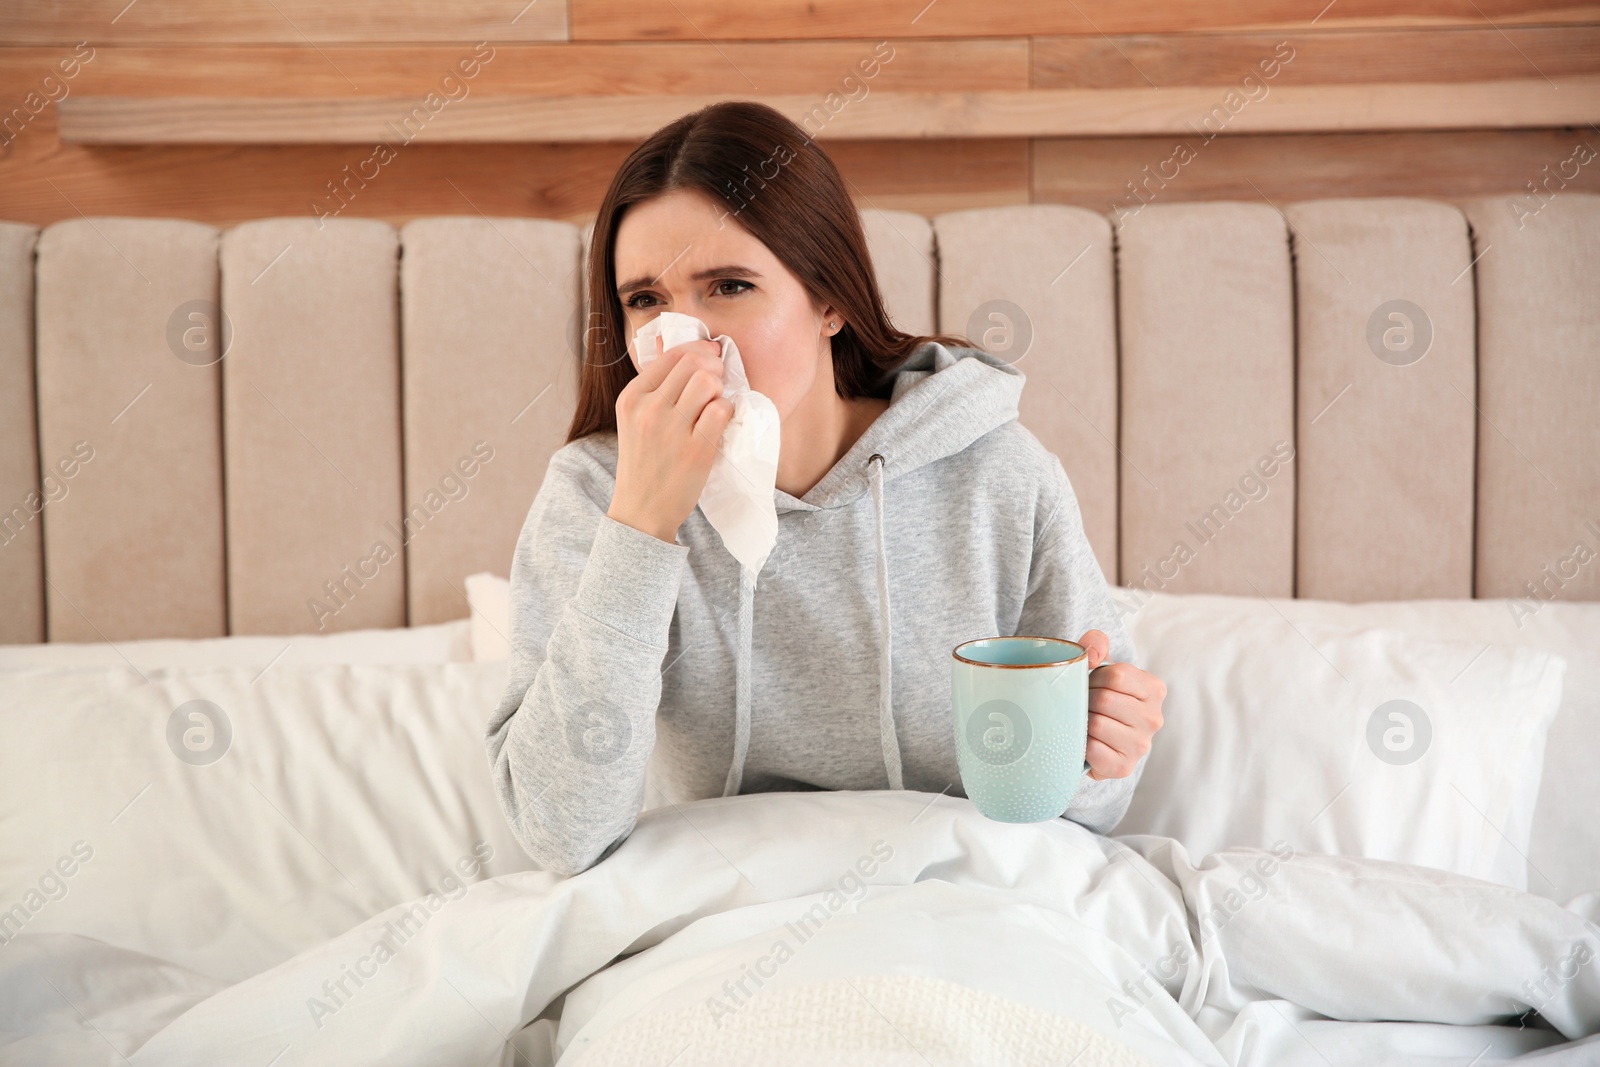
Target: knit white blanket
882,1020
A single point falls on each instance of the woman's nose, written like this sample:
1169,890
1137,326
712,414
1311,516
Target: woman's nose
704,314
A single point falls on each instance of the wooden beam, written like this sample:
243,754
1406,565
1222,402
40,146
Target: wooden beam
1483,53
1194,110
363,22
694,20
296,22
44,182
545,69
1116,175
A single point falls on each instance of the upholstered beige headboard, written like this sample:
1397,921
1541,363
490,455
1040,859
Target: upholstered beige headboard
1347,399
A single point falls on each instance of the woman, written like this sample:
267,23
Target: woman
915,513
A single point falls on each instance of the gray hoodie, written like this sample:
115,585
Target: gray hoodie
634,658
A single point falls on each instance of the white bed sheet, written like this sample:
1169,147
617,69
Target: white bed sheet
1098,933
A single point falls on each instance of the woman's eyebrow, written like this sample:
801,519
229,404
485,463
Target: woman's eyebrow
730,271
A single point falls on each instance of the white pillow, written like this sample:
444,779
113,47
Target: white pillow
489,597
342,790
1286,731
445,642
1564,857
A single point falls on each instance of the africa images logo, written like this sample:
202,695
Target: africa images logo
999,733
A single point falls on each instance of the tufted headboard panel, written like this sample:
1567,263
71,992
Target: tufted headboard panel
286,428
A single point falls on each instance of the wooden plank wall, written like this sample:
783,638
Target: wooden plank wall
299,48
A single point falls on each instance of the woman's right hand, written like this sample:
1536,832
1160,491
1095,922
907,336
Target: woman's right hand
670,419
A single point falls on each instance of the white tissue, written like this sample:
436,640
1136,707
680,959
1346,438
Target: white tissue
737,500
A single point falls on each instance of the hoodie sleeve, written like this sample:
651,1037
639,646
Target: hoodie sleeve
1067,596
592,600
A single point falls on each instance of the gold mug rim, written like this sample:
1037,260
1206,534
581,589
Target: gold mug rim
1082,654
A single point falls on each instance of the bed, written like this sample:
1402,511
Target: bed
246,804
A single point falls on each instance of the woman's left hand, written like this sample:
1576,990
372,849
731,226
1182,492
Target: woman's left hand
1124,711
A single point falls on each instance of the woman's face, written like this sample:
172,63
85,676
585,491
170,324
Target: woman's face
683,252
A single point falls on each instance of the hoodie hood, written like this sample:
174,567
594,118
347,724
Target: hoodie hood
943,399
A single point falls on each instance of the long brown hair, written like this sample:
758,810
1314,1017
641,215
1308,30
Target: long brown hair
802,213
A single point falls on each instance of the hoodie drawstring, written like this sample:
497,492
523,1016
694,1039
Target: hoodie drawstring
741,726
888,737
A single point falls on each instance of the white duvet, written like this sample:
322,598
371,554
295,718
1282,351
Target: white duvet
865,927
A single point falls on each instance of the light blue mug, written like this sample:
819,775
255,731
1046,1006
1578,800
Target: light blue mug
1021,709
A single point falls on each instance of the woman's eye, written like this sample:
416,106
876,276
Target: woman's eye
633,301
